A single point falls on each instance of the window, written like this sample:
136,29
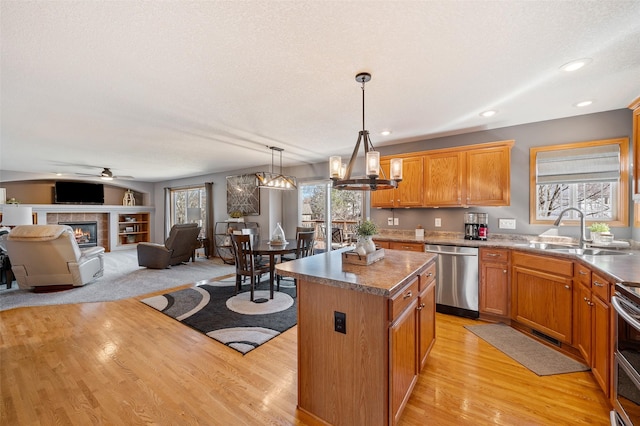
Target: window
346,211
591,176
188,206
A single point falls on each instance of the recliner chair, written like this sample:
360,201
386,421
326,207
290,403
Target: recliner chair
178,248
48,255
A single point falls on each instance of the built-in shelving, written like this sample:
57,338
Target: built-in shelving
133,228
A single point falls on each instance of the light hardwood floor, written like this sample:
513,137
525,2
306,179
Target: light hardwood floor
122,362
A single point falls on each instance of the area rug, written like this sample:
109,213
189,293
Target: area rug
534,355
235,321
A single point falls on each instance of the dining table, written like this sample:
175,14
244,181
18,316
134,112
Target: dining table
267,248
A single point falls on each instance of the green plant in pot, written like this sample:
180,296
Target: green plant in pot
597,230
365,231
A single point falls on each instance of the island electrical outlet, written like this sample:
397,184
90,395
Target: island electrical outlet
340,322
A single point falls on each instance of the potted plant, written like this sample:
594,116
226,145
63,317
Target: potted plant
597,229
365,232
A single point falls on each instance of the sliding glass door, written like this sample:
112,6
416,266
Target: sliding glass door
332,213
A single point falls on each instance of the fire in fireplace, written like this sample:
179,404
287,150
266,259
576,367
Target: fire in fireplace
86,232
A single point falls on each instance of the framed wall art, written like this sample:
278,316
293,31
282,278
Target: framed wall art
243,196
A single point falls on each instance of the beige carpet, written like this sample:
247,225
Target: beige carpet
541,359
123,278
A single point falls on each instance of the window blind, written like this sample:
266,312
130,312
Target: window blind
590,164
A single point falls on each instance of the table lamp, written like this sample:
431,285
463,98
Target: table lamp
14,215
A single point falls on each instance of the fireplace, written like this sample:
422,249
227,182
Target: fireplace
86,232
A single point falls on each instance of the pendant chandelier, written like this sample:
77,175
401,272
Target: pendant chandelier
341,174
272,180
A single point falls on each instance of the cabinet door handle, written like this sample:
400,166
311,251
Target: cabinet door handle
407,295
430,274
493,255
583,272
420,307
504,271
597,284
567,286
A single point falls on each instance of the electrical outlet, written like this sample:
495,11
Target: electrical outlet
396,221
507,223
340,322
438,223
390,221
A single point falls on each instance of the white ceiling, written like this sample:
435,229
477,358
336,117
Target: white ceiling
163,90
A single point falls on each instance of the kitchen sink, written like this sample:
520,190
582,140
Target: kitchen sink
544,246
589,251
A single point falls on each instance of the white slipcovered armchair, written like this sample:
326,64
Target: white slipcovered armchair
48,255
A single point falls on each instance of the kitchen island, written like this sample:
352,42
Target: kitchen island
364,333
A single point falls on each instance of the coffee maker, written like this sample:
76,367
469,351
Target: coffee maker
476,226
471,226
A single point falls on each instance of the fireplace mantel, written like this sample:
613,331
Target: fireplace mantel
110,242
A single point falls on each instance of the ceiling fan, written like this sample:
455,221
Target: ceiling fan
106,174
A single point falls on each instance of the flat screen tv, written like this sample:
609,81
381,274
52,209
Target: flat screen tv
67,192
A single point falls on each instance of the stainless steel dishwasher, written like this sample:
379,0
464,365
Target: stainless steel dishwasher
457,280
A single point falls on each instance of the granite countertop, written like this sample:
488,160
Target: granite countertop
622,268
383,278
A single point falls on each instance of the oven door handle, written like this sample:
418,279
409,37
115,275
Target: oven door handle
621,307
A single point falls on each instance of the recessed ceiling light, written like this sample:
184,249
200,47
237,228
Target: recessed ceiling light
385,132
489,113
575,65
583,104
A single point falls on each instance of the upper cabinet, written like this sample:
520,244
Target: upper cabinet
635,106
477,175
488,176
410,191
444,177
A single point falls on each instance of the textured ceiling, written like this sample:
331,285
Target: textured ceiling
162,90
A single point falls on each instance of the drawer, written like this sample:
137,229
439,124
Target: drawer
583,275
396,245
427,276
600,286
382,244
494,255
401,300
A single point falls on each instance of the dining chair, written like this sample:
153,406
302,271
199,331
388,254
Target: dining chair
246,265
304,247
299,229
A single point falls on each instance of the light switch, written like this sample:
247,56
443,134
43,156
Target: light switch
438,223
396,221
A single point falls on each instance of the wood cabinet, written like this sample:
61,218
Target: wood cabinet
542,294
477,175
365,375
382,244
403,343
582,304
444,177
398,245
133,228
426,314
593,324
495,282
410,191
602,353
488,176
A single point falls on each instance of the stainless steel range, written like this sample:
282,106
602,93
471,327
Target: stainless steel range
626,303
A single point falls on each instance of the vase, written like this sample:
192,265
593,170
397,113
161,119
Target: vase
367,243
277,237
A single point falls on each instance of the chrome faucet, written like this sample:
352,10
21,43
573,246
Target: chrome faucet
583,237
